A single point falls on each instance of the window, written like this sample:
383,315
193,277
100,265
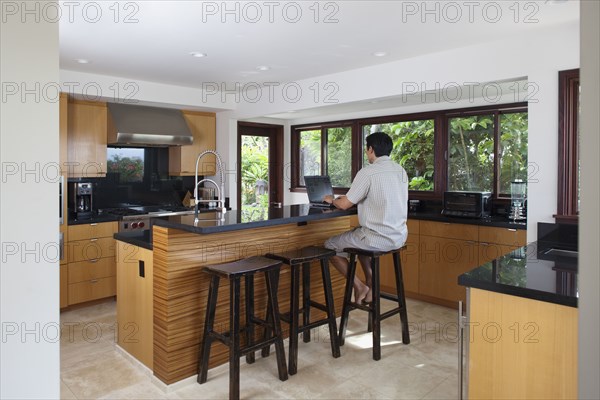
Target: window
568,146
512,150
486,152
326,151
126,163
413,149
471,153
474,149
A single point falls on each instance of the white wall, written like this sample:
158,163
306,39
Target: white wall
589,221
29,273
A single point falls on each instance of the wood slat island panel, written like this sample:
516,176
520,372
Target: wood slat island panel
181,288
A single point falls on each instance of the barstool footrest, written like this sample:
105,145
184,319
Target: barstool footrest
390,313
222,337
257,346
318,306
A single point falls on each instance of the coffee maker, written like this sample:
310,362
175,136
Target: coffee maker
81,199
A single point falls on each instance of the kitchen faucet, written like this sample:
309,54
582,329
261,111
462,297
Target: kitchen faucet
220,188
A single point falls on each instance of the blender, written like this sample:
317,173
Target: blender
518,196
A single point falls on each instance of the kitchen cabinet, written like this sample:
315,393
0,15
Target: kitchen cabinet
135,308
495,242
182,159
521,348
410,263
87,130
91,272
437,253
446,251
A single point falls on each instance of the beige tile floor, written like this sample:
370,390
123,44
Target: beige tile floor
93,368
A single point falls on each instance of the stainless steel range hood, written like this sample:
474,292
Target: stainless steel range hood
133,125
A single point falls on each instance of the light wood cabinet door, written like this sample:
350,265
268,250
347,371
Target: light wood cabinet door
449,230
91,290
441,261
182,159
91,271
135,307
91,249
512,237
87,130
92,231
409,258
521,348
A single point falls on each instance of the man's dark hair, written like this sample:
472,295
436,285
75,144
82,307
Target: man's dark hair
381,143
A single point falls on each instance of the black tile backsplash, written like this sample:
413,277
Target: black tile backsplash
155,188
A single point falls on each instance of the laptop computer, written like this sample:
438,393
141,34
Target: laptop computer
317,187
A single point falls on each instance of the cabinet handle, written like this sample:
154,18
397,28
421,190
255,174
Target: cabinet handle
512,230
94,260
94,281
484,244
471,242
93,240
94,224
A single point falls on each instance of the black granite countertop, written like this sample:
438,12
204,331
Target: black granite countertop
256,218
497,221
532,271
249,218
94,219
137,238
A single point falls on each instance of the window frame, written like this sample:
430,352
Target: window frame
568,148
440,117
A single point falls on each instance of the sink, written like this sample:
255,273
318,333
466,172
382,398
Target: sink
561,253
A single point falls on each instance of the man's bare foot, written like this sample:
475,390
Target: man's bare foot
369,297
361,294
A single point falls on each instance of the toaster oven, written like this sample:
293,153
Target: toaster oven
467,204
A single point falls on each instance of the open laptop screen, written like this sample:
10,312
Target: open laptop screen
317,187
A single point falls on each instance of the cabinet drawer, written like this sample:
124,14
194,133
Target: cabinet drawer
448,230
92,290
92,249
90,270
510,237
91,231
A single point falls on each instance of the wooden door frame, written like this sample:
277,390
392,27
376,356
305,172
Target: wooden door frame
275,135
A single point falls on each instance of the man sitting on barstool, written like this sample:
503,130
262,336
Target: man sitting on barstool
380,191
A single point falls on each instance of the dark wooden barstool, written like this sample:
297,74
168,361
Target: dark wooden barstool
234,271
302,258
373,308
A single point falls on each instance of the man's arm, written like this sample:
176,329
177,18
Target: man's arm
340,202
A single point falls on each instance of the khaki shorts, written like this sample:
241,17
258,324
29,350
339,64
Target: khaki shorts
354,238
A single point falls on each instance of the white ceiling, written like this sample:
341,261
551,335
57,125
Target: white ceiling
155,44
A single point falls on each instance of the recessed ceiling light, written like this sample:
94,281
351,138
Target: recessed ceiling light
380,54
198,54
263,68
82,61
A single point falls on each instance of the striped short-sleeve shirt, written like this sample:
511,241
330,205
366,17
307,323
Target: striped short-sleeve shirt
380,191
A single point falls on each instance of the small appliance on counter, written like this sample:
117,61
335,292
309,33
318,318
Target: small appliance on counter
81,199
518,200
467,204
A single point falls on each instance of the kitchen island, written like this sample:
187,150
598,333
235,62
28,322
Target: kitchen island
181,248
522,324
